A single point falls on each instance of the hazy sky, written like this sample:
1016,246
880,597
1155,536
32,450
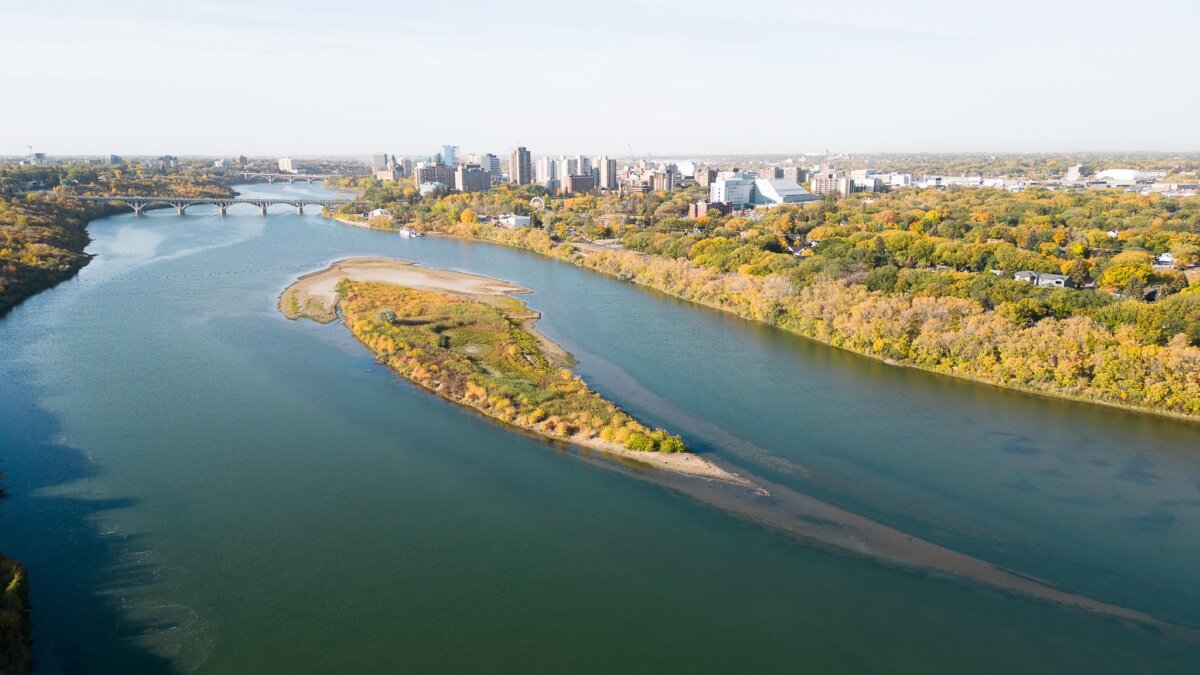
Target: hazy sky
665,76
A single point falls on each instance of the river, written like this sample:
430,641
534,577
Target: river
198,484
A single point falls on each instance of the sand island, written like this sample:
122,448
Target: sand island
467,339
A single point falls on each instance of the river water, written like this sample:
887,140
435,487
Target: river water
198,484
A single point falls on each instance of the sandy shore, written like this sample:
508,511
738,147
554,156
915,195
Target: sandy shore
314,296
356,223
679,462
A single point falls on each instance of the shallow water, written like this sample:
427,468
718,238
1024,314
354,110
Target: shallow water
200,484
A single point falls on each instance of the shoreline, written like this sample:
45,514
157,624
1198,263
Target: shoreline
1023,389
314,296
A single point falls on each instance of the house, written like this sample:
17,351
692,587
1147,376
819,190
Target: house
1044,279
379,212
1055,280
1165,260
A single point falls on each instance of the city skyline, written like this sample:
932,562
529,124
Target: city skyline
667,78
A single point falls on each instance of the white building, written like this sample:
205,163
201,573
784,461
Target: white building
287,165
450,155
513,220
776,191
546,170
429,188
1127,176
947,181
732,187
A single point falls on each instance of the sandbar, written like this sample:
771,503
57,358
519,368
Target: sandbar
314,296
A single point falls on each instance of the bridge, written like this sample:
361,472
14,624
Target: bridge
181,204
289,177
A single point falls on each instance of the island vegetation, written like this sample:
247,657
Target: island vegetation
921,278
479,354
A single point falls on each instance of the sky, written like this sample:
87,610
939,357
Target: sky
658,77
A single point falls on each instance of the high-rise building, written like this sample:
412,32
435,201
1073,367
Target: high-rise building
578,183
795,173
491,164
520,166
472,178
568,166
450,155
287,165
433,173
606,170
391,170
547,170
379,162
583,165
705,177
826,181
664,179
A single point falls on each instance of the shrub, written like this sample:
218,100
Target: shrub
640,442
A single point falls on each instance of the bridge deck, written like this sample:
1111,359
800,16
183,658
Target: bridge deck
138,203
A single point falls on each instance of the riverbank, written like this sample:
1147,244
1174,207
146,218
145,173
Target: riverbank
16,641
582,419
819,325
42,242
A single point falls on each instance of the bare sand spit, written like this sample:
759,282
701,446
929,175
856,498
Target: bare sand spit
314,296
